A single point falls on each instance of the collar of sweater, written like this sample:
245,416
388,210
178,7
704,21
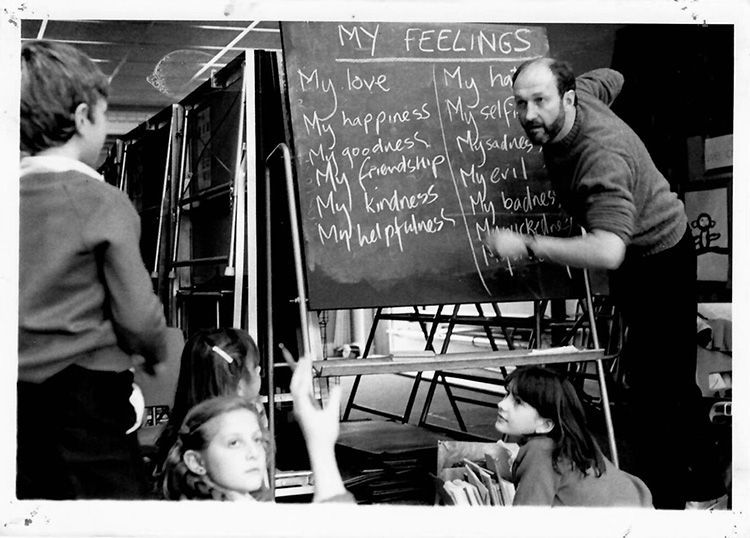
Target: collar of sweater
569,139
55,163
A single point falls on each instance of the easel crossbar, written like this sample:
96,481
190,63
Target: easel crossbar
450,361
517,322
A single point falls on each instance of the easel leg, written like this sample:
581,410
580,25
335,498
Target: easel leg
535,342
508,336
418,379
452,400
355,385
607,413
600,373
490,336
436,374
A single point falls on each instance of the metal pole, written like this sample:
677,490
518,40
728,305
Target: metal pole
236,262
237,185
600,373
155,272
292,203
121,186
269,347
180,186
252,101
178,213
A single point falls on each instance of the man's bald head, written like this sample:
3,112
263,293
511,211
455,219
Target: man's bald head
545,99
565,78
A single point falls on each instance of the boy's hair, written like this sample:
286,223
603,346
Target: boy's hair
206,373
55,79
555,399
178,481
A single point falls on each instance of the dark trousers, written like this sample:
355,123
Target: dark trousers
71,438
669,427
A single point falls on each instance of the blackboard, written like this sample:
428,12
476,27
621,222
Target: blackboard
406,149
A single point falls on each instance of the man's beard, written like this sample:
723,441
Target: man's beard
539,133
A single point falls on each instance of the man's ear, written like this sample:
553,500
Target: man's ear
544,426
194,461
81,116
569,98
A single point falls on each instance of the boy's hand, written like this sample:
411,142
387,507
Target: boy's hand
149,367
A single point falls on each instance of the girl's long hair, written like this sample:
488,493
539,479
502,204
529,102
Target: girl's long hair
555,399
178,481
205,374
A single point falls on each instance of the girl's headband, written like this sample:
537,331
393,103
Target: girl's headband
223,354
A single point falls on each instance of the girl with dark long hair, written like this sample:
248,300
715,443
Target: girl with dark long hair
559,462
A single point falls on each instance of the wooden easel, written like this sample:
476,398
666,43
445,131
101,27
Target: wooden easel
435,320
536,324
440,363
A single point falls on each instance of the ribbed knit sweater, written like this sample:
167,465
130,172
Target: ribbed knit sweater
606,178
539,484
85,296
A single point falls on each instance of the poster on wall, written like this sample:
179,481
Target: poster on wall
708,214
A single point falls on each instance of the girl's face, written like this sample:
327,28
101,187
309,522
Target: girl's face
250,388
516,417
235,458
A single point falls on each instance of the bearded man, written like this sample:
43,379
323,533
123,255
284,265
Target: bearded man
637,229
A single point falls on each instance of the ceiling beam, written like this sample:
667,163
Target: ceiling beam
223,51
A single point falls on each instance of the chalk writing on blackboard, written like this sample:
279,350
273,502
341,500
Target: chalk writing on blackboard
407,151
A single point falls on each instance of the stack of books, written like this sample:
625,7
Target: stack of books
720,381
389,479
293,483
474,484
387,462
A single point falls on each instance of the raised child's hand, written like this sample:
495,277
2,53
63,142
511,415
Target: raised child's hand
320,426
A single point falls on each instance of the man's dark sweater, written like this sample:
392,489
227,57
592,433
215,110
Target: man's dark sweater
605,176
607,180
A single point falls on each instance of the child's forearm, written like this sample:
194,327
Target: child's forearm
328,482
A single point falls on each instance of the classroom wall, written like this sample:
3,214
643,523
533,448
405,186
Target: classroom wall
585,46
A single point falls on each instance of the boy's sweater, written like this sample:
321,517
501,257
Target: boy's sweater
605,176
85,296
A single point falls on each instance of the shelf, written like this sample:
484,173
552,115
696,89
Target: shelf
452,361
200,261
293,491
187,292
207,194
291,483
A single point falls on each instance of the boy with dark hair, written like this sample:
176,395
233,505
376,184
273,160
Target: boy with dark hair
86,305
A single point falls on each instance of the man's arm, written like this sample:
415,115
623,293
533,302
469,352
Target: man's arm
604,84
598,249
